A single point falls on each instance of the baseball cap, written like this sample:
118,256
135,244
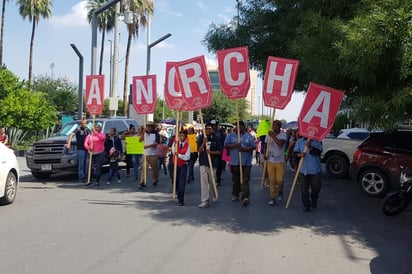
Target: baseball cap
213,122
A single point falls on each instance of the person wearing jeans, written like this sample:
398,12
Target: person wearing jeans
82,154
310,172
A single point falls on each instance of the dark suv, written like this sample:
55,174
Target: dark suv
49,156
376,163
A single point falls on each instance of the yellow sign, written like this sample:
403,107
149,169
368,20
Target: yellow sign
134,145
263,128
192,142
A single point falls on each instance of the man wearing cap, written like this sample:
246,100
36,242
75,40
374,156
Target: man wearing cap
245,147
220,136
151,140
275,140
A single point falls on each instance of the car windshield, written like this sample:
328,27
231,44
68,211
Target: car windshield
70,127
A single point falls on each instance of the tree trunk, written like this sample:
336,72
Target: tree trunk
125,83
33,30
3,15
102,50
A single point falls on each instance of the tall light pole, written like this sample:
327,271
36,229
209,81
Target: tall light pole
52,71
111,64
80,89
149,47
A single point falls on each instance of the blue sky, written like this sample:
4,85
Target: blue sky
186,20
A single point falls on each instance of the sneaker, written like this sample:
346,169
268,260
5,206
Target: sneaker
280,196
272,202
180,204
203,204
245,201
119,181
108,183
235,198
142,186
89,183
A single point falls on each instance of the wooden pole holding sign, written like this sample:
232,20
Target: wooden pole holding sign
209,158
266,153
89,173
238,140
176,144
295,180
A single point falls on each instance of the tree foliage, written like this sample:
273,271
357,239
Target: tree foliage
27,110
362,47
60,92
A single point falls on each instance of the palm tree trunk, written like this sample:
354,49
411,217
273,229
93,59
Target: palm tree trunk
33,30
102,51
125,83
3,15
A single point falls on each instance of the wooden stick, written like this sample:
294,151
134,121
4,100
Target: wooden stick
144,159
296,177
238,140
266,152
177,129
209,158
89,173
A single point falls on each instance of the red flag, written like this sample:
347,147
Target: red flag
234,72
144,94
95,94
279,81
194,82
319,111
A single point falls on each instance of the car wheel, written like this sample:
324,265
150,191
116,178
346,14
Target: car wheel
374,182
10,189
337,166
41,175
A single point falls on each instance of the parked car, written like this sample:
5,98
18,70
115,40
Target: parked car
377,161
49,156
355,133
9,175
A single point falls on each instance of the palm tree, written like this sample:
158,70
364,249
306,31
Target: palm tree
3,16
105,22
34,10
141,9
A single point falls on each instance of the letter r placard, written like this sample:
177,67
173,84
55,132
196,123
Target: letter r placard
319,111
95,94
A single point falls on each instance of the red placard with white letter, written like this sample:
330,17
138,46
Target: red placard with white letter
95,94
194,82
144,94
234,72
173,96
319,111
279,81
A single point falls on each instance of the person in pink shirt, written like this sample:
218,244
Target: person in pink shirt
94,143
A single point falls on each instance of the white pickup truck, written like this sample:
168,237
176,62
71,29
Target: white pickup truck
337,155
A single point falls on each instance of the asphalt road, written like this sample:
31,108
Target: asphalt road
59,226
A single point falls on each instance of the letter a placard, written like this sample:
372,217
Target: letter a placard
279,81
95,94
144,94
234,72
319,111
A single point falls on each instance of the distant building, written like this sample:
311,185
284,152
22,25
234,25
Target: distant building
251,97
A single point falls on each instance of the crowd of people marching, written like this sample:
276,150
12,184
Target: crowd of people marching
214,148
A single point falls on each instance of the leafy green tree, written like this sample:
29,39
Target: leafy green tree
362,47
224,109
60,92
27,110
34,10
8,82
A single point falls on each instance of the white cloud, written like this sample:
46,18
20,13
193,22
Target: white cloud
76,18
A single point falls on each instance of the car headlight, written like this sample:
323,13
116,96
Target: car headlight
30,150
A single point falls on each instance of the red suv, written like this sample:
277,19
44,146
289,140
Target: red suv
376,163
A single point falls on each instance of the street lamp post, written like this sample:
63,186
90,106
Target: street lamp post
111,65
80,89
149,47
